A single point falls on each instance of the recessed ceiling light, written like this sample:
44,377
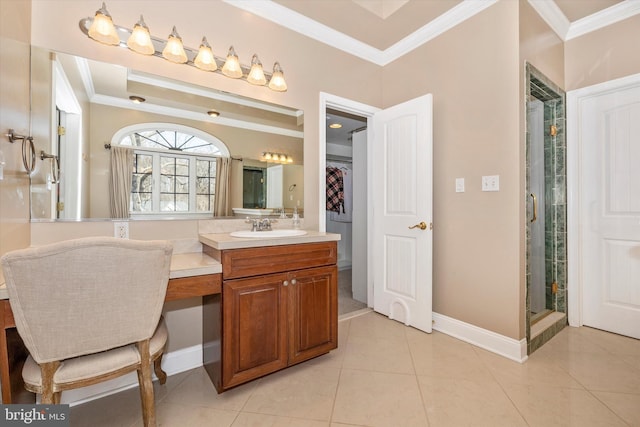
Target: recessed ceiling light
137,99
213,113
335,125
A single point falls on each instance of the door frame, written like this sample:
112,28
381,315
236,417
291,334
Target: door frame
328,100
574,168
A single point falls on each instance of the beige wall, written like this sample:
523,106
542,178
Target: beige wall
472,72
15,28
606,54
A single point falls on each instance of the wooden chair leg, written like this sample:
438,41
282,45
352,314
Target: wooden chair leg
157,368
48,370
146,385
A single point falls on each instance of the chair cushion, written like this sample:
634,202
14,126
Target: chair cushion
96,364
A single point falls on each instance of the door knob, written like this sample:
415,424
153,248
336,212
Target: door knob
285,283
421,226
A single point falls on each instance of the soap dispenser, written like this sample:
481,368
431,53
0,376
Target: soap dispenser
296,218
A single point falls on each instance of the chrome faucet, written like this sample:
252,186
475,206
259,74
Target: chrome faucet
260,224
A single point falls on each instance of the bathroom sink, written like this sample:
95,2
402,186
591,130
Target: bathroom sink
268,234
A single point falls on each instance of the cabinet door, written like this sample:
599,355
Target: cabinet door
313,307
255,328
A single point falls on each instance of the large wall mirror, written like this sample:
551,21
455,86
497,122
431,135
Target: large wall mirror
84,110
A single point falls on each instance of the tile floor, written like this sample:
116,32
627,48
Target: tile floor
386,374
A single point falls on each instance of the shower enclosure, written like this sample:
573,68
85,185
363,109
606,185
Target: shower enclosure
546,208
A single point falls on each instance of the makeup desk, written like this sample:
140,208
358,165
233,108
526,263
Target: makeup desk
191,275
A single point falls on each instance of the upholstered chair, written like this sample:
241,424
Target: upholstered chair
89,310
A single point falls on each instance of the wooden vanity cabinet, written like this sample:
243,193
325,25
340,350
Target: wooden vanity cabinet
284,312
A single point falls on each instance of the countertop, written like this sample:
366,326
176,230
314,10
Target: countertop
222,241
182,265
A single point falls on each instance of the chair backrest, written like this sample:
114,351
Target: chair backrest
86,295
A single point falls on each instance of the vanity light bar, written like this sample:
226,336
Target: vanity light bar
276,84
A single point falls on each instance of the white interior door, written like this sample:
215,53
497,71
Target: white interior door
609,144
402,183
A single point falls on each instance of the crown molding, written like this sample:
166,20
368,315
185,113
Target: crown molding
611,15
552,15
304,25
454,16
547,9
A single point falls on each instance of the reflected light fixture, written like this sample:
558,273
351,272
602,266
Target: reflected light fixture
231,67
256,75
335,125
140,39
213,113
277,157
205,59
277,82
137,99
174,50
102,28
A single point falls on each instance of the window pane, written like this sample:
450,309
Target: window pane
182,184
141,202
182,203
167,165
202,203
167,203
167,184
202,186
182,167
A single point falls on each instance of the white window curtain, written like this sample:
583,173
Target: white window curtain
120,182
222,202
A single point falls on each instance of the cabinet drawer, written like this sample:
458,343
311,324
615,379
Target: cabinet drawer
275,259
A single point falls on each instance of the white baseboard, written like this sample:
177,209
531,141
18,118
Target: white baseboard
172,363
491,341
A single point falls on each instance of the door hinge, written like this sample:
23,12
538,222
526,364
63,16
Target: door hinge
430,226
60,206
62,130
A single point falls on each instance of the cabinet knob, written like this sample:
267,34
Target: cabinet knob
294,281
285,283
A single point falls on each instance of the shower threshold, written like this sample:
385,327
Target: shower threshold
547,321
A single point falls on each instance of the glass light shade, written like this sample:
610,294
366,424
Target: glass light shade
231,67
283,158
102,28
267,156
173,50
205,59
140,39
289,159
256,75
277,82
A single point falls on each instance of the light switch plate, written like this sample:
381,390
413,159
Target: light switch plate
491,183
459,185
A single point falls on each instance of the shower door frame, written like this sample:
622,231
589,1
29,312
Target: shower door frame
557,207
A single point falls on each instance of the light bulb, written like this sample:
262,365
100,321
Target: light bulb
232,67
140,39
277,82
205,59
267,156
283,158
256,75
102,28
174,51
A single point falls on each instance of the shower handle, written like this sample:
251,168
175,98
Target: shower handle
535,208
